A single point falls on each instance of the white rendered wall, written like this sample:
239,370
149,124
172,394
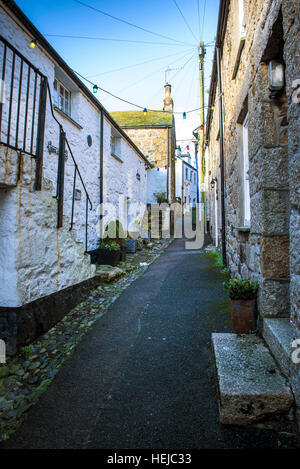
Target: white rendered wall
156,183
120,177
37,259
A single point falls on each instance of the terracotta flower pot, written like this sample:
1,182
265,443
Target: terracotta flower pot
243,316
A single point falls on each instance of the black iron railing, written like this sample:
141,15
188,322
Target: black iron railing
63,142
23,103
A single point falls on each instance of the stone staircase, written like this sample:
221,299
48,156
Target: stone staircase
252,374
278,334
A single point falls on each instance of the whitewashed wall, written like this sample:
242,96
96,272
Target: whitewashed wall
38,259
189,187
120,181
156,183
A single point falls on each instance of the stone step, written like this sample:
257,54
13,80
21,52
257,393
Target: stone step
250,384
278,334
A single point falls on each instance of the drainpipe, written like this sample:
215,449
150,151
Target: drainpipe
216,215
168,166
101,164
221,126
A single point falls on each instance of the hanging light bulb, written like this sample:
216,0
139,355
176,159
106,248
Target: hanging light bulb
33,43
184,115
213,107
145,111
95,89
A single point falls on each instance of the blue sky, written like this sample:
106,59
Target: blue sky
138,82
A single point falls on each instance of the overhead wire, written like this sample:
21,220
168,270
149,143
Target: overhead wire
152,73
116,40
137,64
199,23
191,84
173,76
204,11
184,19
127,22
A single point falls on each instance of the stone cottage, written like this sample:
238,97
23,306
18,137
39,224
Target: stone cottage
62,156
154,134
252,140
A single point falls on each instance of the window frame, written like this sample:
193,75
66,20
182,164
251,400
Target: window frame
246,181
61,105
116,146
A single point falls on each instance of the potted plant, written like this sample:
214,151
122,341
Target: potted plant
242,294
131,244
111,249
108,253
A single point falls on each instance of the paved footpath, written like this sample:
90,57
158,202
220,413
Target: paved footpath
143,377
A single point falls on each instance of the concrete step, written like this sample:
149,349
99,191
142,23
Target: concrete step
250,384
278,334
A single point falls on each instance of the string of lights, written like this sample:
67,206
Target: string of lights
145,110
96,87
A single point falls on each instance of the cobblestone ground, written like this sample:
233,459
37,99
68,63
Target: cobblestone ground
25,377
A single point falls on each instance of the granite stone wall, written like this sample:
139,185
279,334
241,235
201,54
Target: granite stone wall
269,250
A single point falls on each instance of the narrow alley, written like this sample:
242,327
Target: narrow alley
149,225
143,377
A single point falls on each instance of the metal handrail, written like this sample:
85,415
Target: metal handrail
76,171
34,80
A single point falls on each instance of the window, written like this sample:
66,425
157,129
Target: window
62,97
246,187
240,37
115,145
194,178
242,24
186,173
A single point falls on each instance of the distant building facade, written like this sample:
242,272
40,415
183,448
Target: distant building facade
154,134
186,181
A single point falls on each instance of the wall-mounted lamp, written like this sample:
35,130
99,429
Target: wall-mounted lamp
32,43
276,78
213,182
138,176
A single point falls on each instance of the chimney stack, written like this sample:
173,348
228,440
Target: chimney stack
168,101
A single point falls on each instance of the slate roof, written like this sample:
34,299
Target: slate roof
138,119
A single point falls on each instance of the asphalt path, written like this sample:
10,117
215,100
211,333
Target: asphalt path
143,377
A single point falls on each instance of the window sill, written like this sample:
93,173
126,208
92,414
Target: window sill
117,158
238,57
63,114
243,229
